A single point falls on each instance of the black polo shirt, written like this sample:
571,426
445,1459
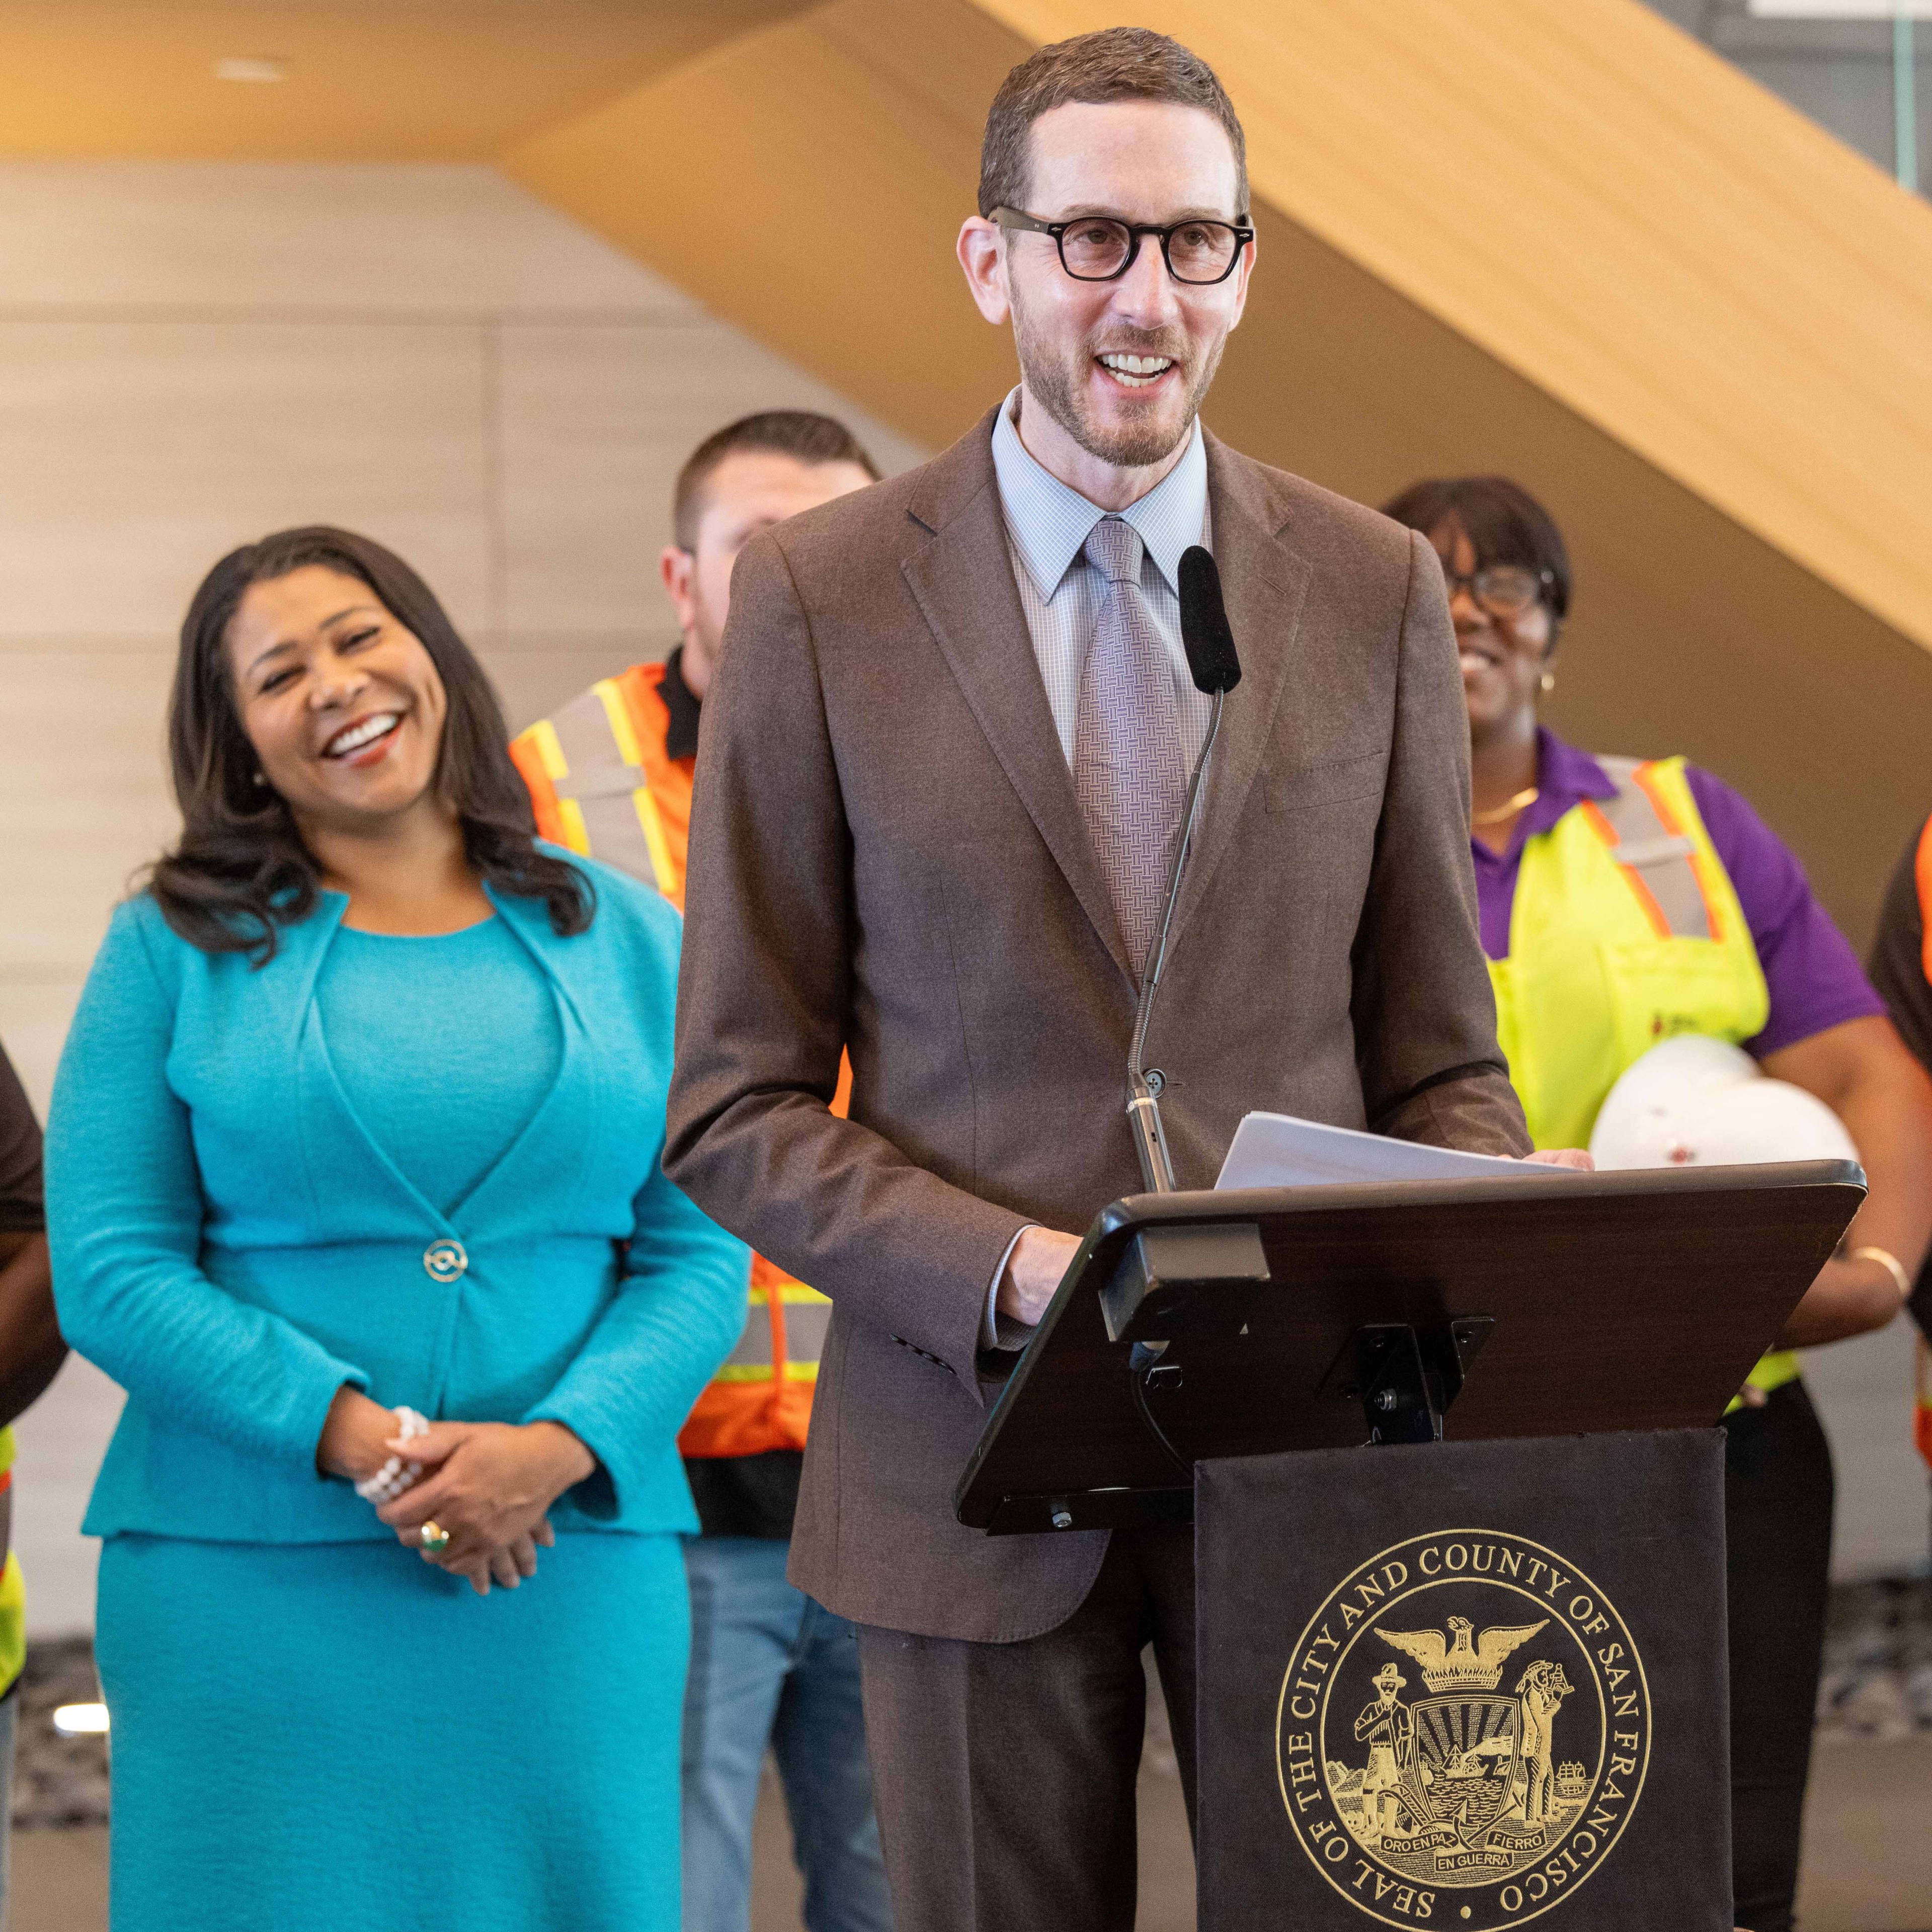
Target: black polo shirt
21,1211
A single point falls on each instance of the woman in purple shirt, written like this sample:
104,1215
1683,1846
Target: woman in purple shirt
1622,901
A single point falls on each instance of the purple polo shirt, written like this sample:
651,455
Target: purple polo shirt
1814,978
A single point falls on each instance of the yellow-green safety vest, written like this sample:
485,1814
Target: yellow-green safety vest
1625,931
13,1589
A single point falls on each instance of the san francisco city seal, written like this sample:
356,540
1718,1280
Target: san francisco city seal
1487,1792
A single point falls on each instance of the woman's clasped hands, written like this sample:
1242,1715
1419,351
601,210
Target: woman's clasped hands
487,1487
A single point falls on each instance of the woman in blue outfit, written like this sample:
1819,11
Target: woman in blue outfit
354,1185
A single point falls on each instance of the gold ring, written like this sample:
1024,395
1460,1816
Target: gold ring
435,1537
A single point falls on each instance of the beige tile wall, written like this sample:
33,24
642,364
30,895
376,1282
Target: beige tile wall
192,355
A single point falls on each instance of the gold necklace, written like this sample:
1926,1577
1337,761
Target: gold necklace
1522,801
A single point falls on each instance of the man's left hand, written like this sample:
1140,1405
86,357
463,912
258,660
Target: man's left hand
1576,1157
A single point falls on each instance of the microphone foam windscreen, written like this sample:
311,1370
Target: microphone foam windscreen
1204,635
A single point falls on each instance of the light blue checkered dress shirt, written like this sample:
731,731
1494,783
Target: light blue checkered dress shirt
1047,525
1061,593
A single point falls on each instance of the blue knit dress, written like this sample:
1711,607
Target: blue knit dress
323,1733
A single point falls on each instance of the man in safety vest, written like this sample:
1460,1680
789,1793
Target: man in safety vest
610,776
1901,969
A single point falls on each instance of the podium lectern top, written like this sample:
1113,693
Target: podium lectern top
1555,1304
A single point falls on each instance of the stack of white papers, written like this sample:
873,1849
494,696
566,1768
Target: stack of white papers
1279,1150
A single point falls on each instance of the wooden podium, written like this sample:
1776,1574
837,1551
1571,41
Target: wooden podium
1450,1450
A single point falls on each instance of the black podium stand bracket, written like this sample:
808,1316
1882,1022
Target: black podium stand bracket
1206,1325
1465,1686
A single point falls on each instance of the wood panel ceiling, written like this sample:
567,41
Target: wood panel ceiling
364,80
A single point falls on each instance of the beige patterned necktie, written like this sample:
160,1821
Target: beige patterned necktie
1129,770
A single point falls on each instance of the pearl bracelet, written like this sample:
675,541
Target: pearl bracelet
395,1475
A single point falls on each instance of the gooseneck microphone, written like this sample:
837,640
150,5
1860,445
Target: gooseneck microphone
1215,667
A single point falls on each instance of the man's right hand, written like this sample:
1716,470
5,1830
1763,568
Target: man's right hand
1039,1258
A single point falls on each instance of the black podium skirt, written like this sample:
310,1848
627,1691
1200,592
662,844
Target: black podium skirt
1777,1519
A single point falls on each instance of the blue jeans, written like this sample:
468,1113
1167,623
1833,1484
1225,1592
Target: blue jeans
769,1666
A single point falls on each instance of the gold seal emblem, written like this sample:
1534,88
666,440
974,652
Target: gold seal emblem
1489,1790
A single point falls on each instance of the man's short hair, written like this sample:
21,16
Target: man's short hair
1117,64
801,434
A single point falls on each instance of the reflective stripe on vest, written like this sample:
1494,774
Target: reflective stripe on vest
804,1316
598,771
1658,859
1626,930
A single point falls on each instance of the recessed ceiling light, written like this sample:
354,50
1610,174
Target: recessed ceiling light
81,1721
251,69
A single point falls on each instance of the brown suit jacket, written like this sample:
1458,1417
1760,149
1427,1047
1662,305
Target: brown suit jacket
886,852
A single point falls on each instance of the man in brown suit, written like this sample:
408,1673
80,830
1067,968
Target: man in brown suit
935,803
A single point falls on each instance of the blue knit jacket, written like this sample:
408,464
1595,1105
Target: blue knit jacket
231,1246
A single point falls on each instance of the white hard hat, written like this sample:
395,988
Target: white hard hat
1697,1102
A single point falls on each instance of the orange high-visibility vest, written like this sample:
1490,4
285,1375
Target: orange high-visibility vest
603,785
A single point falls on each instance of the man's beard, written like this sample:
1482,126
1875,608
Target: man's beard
1060,389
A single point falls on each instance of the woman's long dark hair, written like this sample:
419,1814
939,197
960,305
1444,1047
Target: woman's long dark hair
241,870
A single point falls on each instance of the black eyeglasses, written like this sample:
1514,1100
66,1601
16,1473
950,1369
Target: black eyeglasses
1097,248
1502,590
